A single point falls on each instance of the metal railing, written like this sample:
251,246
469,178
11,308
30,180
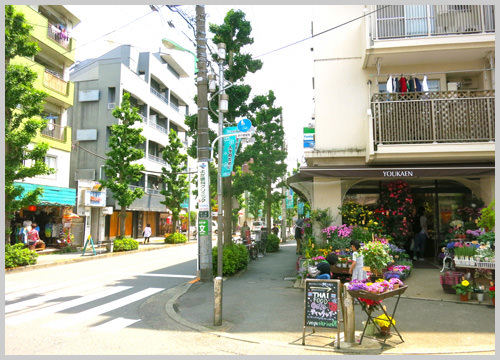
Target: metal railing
54,131
157,127
433,117
400,21
156,159
161,96
54,81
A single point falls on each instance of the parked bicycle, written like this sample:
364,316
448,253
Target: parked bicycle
250,244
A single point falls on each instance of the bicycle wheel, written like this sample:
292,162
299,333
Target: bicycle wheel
254,252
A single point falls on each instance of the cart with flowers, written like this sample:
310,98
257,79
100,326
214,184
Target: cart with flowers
370,296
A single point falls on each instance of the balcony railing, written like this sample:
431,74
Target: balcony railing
433,117
157,127
54,81
402,21
54,131
61,37
156,159
157,93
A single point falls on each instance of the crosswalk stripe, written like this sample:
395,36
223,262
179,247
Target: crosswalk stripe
84,315
45,298
115,324
32,315
169,275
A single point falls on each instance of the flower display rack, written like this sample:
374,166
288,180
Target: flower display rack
474,264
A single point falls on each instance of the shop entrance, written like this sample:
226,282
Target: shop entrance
441,200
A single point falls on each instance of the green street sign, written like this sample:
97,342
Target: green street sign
203,227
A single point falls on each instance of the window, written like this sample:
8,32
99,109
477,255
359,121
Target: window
51,162
111,95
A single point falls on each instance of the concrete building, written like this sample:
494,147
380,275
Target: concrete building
52,26
437,133
163,91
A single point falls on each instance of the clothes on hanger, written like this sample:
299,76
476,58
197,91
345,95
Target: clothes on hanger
425,87
402,82
389,84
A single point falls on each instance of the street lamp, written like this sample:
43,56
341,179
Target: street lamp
169,44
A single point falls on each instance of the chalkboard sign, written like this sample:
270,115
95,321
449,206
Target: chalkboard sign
322,303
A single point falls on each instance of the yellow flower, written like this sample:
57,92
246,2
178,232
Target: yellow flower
465,283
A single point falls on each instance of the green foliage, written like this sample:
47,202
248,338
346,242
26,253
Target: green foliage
175,238
68,249
322,216
362,234
23,111
120,167
464,287
487,238
234,258
487,218
273,243
175,179
125,244
19,255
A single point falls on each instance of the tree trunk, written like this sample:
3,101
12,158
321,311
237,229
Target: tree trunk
7,229
268,209
228,210
123,216
174,223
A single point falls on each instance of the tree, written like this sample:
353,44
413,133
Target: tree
268,165
119,168
176,183
234,32
23,111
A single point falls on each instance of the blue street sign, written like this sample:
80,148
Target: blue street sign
244,125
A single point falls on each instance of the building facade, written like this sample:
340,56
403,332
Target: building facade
162,91
404,92
52,26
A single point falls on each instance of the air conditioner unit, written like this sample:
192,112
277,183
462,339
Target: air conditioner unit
111,106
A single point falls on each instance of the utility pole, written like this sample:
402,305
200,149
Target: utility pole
283,191
204,215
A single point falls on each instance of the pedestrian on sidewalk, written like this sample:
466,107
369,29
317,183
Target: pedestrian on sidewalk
299,231
147,233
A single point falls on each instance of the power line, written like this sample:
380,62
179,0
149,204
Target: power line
321,33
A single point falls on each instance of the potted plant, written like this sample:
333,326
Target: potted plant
491,294
384,322
376,256
463,289
479,291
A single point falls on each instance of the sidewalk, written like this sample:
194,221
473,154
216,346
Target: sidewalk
265,304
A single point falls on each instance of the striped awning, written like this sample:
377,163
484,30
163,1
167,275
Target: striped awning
52,195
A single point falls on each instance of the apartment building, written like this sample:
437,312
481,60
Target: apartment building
52,26
434,129
163,91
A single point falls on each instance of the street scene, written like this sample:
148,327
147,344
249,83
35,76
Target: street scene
249,180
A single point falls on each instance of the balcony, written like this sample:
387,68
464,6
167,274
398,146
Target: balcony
59,36
158,94
403,21
433,117
54,131
157,159
54,81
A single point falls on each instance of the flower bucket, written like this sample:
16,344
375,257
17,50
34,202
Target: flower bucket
370,329
464,297
480,297
385,330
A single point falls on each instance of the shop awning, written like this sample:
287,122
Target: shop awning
52,195
391,172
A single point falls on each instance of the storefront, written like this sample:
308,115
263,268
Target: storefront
441,189
48,213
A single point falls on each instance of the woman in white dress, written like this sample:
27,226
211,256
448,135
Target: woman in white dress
356,268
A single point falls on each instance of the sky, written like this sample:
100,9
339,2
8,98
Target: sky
288,72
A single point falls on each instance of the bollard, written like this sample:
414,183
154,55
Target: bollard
349,325
218,301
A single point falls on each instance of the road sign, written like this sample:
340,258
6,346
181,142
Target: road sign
244,125
243,135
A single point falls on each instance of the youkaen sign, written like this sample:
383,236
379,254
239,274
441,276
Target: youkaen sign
397,173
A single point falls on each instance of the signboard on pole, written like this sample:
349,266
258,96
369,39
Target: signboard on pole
229,150
308,137
203,189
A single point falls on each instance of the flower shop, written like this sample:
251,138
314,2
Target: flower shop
462,255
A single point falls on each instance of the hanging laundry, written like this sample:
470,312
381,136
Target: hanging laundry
418,85
395,84
402,82
389,84
411,84
425,87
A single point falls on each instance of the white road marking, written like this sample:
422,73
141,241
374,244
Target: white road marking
32,315
115,325
41,299
169,275
85,315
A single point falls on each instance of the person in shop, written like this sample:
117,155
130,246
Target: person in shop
421,235
34,236
356,268
147,233
325,268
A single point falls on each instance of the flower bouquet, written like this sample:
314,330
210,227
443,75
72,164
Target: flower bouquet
376,255
384,322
